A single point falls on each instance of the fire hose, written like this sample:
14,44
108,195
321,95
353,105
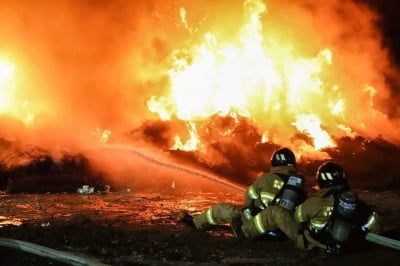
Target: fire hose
62,256
375,238
182,169
382,240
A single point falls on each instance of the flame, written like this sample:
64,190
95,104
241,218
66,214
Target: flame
284,73
10,103
311,125
192,143
6,90
262,80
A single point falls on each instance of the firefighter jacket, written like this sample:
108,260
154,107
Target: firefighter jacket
315,213
264,189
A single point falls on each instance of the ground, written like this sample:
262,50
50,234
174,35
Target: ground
129,227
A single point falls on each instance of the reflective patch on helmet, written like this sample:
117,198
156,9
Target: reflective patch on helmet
326,176
210,218
280,157
258,223
329,176
252,193
371,221
323,176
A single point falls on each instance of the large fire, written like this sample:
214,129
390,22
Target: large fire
218,77
263,73
8,102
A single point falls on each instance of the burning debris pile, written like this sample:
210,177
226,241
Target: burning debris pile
370,163
35,170
219,89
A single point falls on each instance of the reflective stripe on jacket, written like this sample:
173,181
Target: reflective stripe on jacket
316,212
265,188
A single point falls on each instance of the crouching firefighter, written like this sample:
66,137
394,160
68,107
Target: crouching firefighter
266,190
335,214
269,187
277,219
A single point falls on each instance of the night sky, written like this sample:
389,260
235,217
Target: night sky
390,23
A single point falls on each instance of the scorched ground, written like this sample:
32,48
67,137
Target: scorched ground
129,227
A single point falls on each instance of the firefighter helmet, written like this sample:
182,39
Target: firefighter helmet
283,156
330,174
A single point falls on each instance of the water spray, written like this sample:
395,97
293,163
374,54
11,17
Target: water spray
177,167
375,238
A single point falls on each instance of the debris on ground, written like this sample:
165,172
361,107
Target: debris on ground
35,170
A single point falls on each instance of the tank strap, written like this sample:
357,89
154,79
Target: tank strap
335,193
285,179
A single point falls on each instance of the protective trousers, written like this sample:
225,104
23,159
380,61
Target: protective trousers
270,219
220,213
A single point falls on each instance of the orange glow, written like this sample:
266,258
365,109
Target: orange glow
6,75
249,76
301,73
103,136
268,77
10,103
191,144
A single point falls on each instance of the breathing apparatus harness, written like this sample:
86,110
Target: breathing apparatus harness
290,195
292,192
337,230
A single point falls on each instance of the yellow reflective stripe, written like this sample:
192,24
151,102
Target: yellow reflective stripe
299,213
210,218
247,214
315,224
258,224
327,211
267,195
278,184
252,193
371,221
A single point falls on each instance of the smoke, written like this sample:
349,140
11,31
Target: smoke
144,168
91,65
86,64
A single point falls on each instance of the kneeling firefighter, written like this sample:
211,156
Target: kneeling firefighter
265,191
335,213
278,217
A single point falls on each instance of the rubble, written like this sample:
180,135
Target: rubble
35,170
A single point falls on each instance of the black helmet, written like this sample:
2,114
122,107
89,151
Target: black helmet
330,174
283,156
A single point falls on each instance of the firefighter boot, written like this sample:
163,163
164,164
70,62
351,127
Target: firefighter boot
186,218
236,225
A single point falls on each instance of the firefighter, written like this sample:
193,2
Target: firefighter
335,214
326,220
264,192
